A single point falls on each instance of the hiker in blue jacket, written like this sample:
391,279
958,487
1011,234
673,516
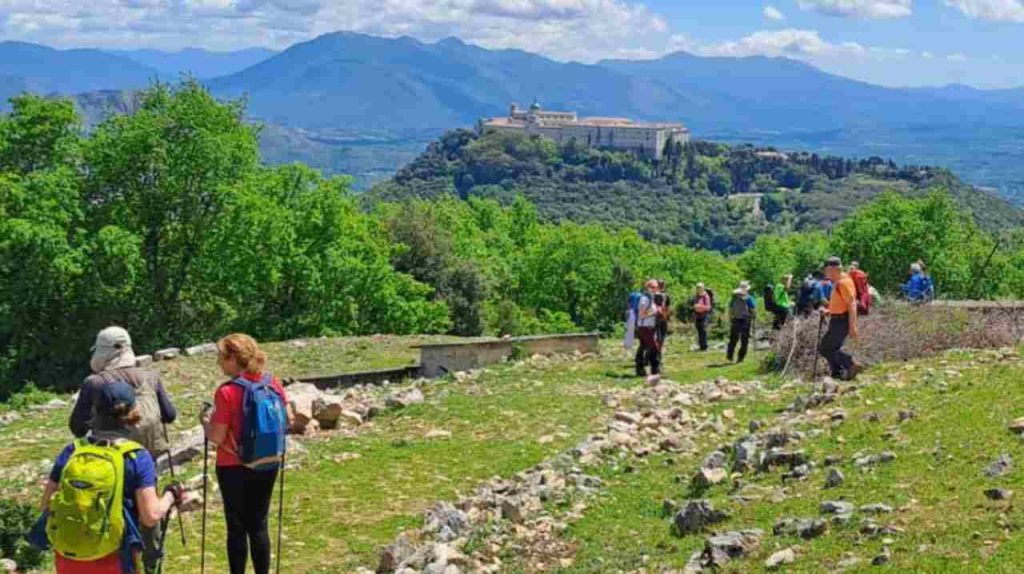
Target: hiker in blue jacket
742,310
919,288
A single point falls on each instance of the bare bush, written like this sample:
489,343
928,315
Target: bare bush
899,332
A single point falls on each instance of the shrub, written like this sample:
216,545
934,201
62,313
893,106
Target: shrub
899,332
16,519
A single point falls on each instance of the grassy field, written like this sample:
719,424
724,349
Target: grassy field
354,492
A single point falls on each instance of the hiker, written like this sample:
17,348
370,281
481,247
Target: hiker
649,352
864,293
842,315
96,537
664,303
810,297
781,306
919,288
246,488
114,360
702,305
742,311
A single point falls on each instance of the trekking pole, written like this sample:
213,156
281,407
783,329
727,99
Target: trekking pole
280,505
170,464
206,458
817,346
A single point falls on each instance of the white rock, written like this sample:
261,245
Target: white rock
167,354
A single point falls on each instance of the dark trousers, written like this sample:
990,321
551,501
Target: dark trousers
701,322
247,494
739,332
780,319
649,352
831,346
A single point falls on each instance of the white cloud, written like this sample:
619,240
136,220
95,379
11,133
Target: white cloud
585,30
997,10
957,57
773,13
927,55
791,43
870,9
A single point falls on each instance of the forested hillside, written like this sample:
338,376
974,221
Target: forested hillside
698,195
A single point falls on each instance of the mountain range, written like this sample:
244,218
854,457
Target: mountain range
356,83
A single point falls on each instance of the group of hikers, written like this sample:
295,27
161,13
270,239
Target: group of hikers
101,511
836,295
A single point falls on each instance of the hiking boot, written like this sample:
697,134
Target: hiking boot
855,369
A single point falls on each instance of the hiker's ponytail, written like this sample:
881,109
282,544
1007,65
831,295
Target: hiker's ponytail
244,350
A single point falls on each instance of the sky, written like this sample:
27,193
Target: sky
889,42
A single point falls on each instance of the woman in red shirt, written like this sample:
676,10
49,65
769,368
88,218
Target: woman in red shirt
246,492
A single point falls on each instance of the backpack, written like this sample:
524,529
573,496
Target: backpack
634,301
805,300
927,288
711,299
149,431
738,308
769,299
860,281
86,519
264,424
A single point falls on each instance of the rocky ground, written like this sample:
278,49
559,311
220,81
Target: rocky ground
568,464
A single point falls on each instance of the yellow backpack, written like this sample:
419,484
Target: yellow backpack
86,520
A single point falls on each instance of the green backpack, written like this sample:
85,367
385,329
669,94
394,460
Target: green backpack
87,512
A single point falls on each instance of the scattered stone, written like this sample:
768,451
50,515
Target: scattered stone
404,399
143,360
708,477
755,426
668,507
804,528
998,494
512,510
838,508
628,418
438,433
848,562
716,459
835,478
838,415
8,565
327,410
697,515
744,454
800,472
723,548
873,417
876,508
779,457
51,405
204,349
874,459
167,354
1017,426
447,521
906,415
999,467
395,555
882,558
8,418
780,558
833,459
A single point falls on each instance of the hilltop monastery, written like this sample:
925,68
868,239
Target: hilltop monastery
647,139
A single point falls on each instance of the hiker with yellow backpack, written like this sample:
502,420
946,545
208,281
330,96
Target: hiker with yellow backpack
102,492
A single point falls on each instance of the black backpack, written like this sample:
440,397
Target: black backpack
769,299
806,299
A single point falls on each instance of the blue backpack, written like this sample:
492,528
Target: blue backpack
634,301
264,426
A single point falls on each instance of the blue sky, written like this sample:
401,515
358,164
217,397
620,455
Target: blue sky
890,42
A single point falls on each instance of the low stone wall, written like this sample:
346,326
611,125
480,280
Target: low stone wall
436,360
376,377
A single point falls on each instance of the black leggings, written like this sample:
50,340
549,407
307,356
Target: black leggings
247,494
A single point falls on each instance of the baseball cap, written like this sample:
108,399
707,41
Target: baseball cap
111,396
833,262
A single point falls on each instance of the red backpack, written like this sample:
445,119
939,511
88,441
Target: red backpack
860,281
